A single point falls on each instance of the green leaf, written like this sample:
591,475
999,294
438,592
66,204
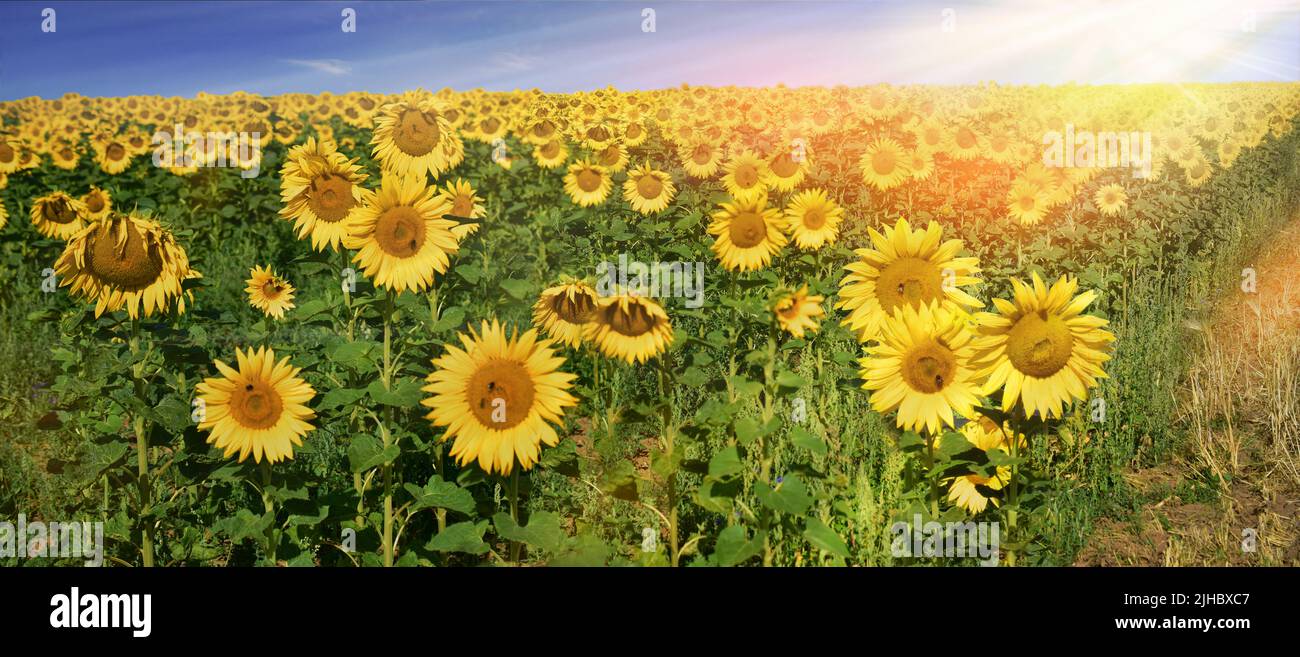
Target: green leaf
725,463
542,532
734,546
619,480
340,397
803,438
367,452
791,496
405,392
460,537
517,288
441,494
788,379
244,524
825,538
450,319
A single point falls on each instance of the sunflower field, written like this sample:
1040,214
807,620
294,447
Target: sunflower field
685,327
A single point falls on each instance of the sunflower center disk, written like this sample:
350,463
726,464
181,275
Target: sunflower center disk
6,153
500,394
746,176
417,133
551,149
784,166
814,219
909,281
883,162
649,187
256,405
702,155
115,152
131,266
748,230
401,231
577,310
60,212
929,367
330,198
1040,344
588,180
965,138
635,321
95,203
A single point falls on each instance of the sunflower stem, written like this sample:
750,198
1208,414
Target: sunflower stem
666,394
142,449
516,548
269,504
385,433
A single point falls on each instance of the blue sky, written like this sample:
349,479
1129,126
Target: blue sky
180,48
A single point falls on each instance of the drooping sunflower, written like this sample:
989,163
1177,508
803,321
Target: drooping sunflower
923,368
630,327
746,177
259,409
884,164
587,184
648,190
799,311
1041,347
269,293
907,268
964,490
128,261
414,138
400,236
322,193
98,203
57,215
1111,199
563,311
746,234
498,397
813,219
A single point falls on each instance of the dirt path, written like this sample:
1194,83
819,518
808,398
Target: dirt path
1241,403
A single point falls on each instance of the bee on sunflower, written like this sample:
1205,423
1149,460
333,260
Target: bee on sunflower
268,292
499,396
258,408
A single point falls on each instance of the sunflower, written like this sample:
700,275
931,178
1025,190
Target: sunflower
884,164
462,200
922,367
4,214
1026,202
813,219
414,138
1041,347
920,164
400,236
747,234
629,327
128,261
701,159
648,190
10,148
1111,199
58,215
964,490
112,155
322,193
798,312
269,293
498,397
563,311
587,184
551,154
259,409
98,203
746,177
785,171
907,268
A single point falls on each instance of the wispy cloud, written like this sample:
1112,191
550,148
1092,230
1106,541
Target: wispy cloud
330,66
513,62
